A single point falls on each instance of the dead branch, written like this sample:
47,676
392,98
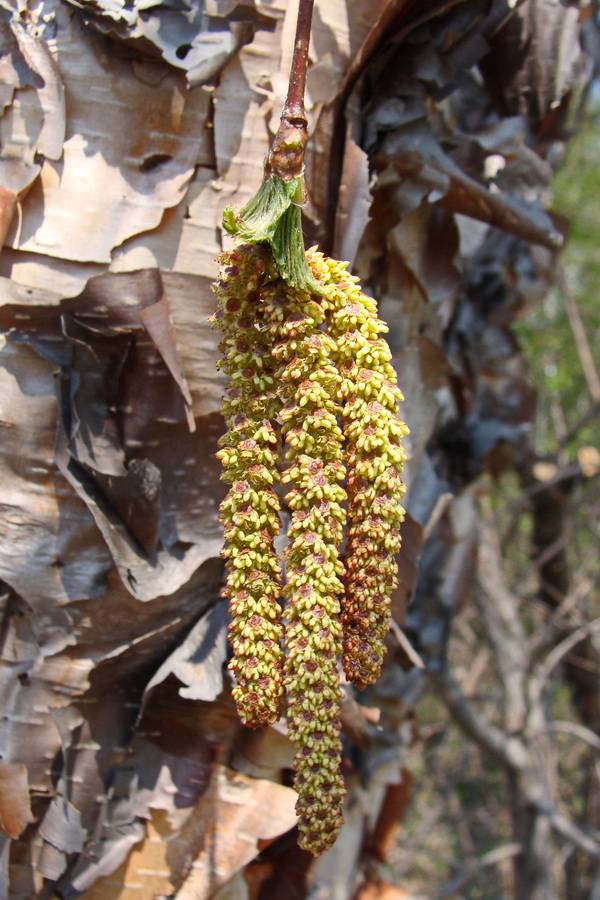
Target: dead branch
572,832
492,858
580,731
582,344
585,419
544,670
499,609
508,750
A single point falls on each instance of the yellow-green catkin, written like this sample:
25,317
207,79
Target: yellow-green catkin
308,386
311,371
374,459
250,511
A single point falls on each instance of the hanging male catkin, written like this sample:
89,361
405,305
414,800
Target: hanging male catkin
308,368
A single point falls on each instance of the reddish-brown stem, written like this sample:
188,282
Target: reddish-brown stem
294,105
286,157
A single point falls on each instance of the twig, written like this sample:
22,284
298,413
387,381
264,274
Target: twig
406,645
571,831
499,610
558,418
550,552
595,892
570,471
580,731
472,679
517,504
545,668
508,750
512,753
286,156
492,858
586,418
294,104
431,816
582,344
441,505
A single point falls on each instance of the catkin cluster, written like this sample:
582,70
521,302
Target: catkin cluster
312,403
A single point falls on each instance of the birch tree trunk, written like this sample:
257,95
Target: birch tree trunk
126,130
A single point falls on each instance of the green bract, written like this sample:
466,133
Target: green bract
273,215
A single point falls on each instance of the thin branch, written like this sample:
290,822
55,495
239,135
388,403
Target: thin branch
475,671
582,344
441,505
563,474
286,156
428,822
550,552
406,645
491,578
558,417
595,891
586,418
294,104
499,610
571,831
492,858
555,656
512,753
580,731
508,750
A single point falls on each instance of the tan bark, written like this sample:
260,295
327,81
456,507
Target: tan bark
125,132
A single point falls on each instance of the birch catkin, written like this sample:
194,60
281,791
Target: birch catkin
308,368
250,511
374,458
309,383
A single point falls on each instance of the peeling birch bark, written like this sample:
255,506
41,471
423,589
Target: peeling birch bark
126,129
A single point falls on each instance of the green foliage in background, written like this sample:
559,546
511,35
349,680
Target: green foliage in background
546,334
